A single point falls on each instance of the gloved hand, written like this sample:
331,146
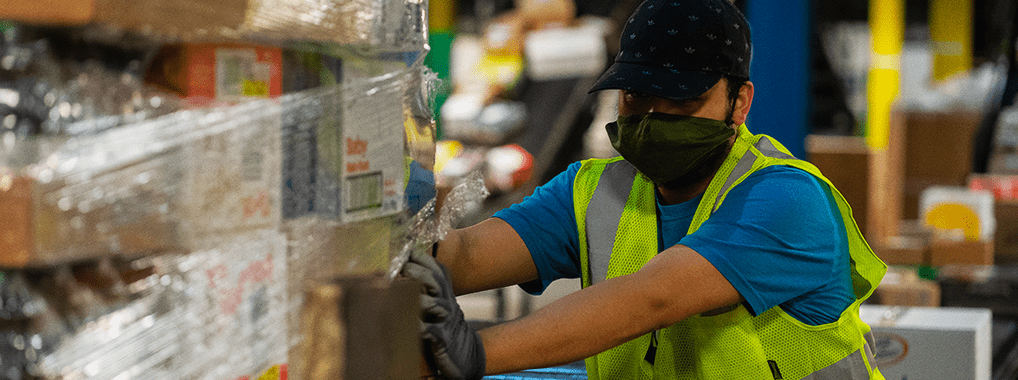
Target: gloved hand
456,349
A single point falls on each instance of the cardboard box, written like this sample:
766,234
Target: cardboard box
123,209
1005,240
914,293
145,188
1005,211
845,161
17,237
540,14
901,250
931,343
238,307
958,211
391,25
944,252
153,15
223,72
901,286
937,150
232,179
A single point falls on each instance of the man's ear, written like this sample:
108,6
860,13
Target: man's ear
743,103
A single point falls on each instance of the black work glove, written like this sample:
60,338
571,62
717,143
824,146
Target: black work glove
456,349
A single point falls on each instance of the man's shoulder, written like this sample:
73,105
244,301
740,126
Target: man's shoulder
783,179
591,162
595,166
782,171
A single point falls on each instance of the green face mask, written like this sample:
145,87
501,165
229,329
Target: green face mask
665,147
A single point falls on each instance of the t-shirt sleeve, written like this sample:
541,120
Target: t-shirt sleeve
774,238
546,222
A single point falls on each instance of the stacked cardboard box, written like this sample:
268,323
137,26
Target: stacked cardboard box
1005,191
937,150
918,245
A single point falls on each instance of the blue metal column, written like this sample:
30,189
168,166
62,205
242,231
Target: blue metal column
781,71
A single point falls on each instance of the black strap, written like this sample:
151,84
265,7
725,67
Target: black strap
652,350
774,369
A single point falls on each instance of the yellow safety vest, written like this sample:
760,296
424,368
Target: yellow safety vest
616,218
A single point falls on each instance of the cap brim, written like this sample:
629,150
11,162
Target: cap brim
657,81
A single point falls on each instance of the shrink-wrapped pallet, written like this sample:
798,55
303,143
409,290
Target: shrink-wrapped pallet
148,233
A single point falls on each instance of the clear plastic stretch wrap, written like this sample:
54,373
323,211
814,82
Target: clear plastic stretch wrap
389,25
148,233
386,25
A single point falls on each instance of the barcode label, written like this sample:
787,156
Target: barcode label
364,191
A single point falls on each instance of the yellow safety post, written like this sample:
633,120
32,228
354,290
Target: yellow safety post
950,37
442,14
887,33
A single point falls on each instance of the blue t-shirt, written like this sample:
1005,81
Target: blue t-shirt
778,238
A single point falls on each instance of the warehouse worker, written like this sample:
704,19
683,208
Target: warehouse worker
705,251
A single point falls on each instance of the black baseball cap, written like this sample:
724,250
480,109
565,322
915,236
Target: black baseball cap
679,49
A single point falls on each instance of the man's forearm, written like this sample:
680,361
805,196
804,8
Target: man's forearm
487,255
575,327
671,287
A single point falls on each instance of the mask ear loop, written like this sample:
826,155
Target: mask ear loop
729,117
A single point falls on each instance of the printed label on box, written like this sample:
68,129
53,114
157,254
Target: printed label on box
239,75
241,314
373,152
277,372
233,178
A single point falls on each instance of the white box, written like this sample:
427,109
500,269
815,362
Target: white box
918,343
559,53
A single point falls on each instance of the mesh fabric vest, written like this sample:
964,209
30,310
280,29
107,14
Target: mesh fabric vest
617,223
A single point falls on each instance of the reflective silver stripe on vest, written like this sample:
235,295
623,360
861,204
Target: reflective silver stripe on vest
745,164
871,342
766,147
871,346
604,212
851,367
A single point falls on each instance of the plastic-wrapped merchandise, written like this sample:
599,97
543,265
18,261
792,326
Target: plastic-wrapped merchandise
96,320
213,176
151,231
165,184
236,307
211,314
60,83
388,25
